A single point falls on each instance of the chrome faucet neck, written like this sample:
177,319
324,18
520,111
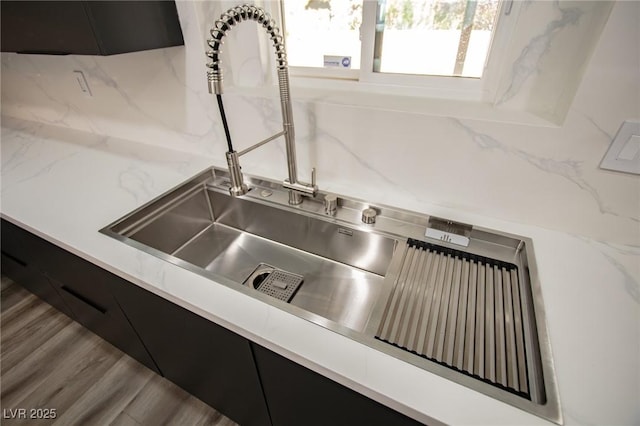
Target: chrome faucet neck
227,20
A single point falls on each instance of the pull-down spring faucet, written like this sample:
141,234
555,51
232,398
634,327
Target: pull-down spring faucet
227,20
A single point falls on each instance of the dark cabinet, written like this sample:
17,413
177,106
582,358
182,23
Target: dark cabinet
244,381
207,360
298,396
74,286
88,27
86,290
20,250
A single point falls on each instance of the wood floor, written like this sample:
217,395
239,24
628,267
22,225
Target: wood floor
50,362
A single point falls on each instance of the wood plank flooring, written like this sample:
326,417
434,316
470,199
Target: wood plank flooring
48,361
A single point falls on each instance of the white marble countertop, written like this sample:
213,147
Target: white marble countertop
65,185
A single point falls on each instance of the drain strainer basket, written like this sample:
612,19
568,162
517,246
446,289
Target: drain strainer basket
281,285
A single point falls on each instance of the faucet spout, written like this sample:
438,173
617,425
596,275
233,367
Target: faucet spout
227,20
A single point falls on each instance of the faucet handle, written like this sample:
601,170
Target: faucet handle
304,188
330,204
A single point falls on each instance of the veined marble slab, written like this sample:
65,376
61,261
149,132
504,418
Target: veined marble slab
427,150
64,185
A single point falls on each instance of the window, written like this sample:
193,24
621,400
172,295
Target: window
448,38
318,28
410,43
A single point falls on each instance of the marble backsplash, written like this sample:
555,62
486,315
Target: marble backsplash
541,175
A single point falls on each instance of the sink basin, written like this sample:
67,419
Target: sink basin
202,225
472,313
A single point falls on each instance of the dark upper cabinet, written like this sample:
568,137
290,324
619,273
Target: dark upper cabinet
88,27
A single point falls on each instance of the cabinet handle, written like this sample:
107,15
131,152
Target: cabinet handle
84,299
15,259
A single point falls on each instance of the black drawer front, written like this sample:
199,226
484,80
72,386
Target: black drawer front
72,285
107,322
20,245
79,277
207,360
39,255
14,268
33,281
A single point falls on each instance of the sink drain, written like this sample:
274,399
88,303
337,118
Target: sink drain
281,285
275,282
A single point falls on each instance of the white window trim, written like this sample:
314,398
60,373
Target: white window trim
439,87
342,90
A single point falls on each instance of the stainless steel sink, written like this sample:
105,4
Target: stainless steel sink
472,314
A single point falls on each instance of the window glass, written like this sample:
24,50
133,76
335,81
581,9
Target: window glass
433,37
420,37
322,33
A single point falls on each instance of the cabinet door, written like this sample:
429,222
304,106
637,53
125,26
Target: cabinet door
87,290
71,284
208,361
298,396
88,27
49,27
128,26
19,251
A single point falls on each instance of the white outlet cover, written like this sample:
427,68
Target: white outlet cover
624,152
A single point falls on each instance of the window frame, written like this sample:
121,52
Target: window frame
444,87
